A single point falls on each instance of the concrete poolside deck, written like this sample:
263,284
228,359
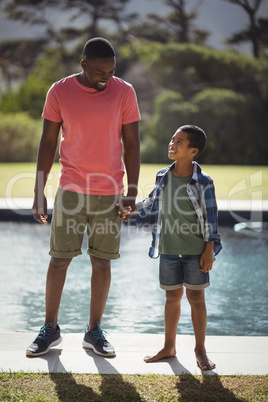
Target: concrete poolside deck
233,355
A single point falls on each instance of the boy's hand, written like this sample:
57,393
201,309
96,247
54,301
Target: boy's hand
124,212
207,258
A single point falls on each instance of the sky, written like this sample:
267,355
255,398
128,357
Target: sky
217,16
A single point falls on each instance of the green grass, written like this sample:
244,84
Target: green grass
118,388
236,182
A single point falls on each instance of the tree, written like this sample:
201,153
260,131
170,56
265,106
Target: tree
31,94
101,10
257,31
32,12
177,26
38,11
180,21
17,58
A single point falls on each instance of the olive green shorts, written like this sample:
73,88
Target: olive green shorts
75,213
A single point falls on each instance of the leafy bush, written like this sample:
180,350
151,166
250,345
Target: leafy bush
190,68
170,112
224,92
19,137
29,98
31,94
234,124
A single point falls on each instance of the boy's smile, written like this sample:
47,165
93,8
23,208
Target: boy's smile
179,148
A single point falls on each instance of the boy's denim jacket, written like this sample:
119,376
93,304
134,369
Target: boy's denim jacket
202,195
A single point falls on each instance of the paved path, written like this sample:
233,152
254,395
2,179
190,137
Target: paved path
233,355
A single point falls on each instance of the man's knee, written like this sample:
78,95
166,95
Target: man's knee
60,263
100,263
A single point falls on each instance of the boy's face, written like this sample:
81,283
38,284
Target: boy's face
179,147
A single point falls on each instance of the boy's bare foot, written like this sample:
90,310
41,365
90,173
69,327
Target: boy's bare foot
203,362
163,354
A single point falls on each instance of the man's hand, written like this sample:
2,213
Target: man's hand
129,201
126,207
40,209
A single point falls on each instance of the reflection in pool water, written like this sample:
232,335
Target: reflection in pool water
237,300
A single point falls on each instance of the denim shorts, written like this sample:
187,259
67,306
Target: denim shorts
178,270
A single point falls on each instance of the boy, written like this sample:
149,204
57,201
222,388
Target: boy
184,216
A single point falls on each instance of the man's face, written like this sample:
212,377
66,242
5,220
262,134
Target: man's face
97,72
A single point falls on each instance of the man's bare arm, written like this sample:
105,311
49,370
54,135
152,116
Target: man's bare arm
131,141
46,156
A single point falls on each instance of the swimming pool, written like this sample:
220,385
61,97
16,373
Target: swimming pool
237,300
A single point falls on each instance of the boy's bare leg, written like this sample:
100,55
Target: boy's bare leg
172,316
100,285
196,299
56,275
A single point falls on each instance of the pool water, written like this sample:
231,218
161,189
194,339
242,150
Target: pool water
237,300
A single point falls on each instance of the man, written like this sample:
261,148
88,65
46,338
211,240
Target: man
96,112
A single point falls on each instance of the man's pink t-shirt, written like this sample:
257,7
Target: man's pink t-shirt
91,140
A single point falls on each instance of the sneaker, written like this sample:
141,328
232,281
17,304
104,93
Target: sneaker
95,339
46,338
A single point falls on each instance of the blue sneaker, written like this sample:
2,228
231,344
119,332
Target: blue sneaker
95,339
46,338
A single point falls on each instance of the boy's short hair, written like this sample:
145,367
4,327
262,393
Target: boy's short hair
98,48
196,136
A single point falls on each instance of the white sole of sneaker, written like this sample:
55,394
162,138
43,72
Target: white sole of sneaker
87,345
55,343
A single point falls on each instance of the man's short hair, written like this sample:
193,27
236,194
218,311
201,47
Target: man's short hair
98,48
196,136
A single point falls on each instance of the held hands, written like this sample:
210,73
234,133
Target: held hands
125,213
126,207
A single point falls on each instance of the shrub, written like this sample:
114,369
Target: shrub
19,136
170,112
190,68
235,124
